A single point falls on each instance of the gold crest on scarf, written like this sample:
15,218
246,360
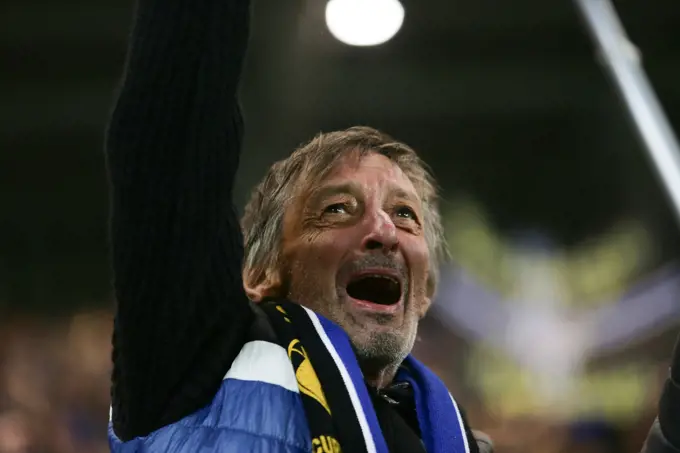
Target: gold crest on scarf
306,376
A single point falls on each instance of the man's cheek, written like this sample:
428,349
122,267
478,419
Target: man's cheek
332,248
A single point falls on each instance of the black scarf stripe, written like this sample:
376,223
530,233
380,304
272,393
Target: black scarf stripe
293,327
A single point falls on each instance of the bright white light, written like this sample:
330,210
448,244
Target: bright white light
364,22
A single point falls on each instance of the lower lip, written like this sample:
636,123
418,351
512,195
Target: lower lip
376,308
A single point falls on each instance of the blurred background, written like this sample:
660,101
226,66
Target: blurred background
556,316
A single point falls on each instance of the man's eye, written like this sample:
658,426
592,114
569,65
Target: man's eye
337,208
406,213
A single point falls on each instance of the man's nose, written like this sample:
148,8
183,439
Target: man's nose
382,233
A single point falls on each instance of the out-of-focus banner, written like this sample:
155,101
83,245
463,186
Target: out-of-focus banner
538,317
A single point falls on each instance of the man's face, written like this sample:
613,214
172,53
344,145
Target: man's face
355,252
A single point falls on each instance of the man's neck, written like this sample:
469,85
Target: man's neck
379,377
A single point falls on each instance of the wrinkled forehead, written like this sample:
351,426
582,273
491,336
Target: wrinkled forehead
368,169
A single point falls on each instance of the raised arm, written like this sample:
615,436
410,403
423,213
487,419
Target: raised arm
173,146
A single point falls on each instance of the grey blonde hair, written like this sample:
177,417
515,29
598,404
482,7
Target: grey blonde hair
262,222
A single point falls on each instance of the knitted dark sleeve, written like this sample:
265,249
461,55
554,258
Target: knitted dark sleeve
173,146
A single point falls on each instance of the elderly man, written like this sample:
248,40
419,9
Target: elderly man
213,350
300,341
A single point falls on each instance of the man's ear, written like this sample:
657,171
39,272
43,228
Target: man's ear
422,310
262,285
428,297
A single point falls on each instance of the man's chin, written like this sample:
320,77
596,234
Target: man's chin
371,323
378,345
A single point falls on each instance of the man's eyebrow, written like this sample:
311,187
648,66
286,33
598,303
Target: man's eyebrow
329,190
352,188
400,192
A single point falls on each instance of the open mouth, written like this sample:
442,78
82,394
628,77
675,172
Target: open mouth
376,289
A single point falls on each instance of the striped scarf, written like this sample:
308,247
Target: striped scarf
335,398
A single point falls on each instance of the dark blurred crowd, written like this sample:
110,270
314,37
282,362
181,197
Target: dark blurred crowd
54,384
54,396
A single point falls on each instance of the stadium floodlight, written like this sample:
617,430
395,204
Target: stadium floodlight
364,22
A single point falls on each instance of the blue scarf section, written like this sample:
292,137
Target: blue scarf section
440,420
441,424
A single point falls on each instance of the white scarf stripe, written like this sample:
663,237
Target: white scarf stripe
460,424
